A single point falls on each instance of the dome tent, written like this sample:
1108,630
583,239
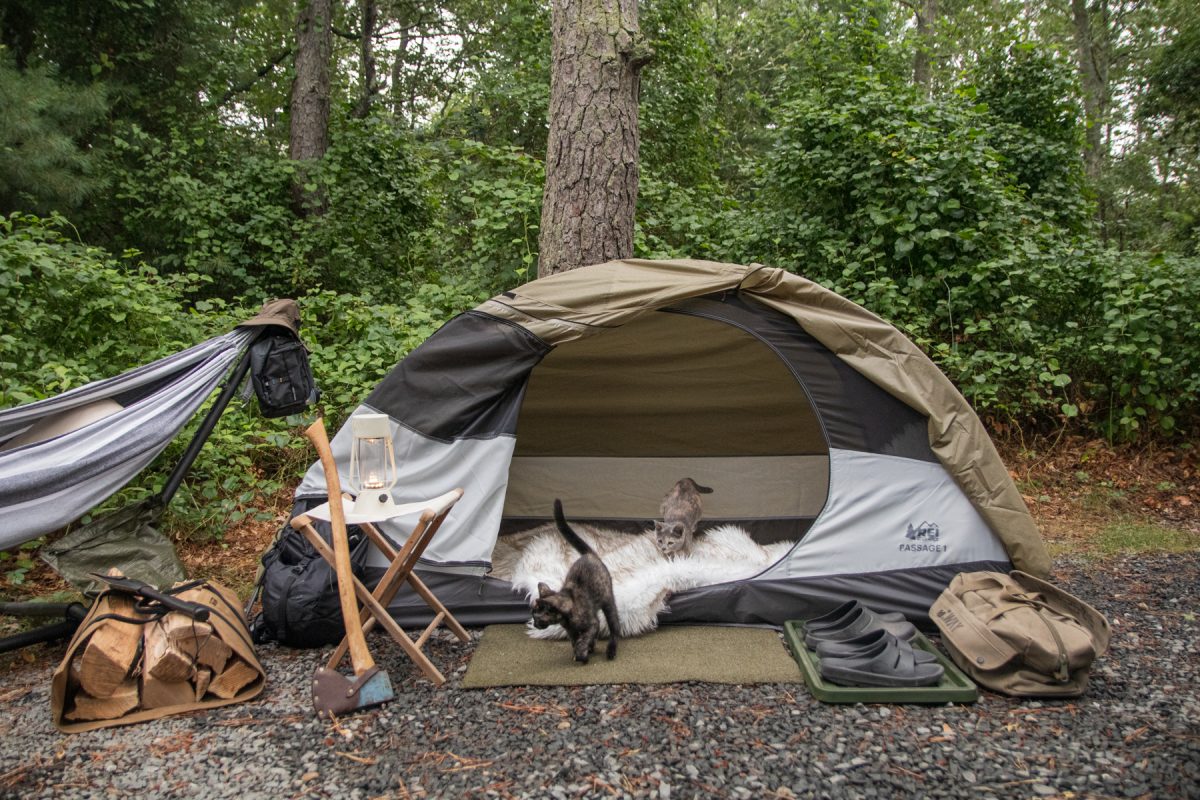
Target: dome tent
811,418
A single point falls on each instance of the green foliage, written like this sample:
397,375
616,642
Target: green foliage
507,76
1034,123
768,52
485,230
219,205
1143,366
1173,82
905,206
376,207
74,313
44,164
678,116
153,58
677,221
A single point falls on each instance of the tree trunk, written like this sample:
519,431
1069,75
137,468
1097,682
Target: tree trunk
592,150
1091,51
370,15
927,14
310,101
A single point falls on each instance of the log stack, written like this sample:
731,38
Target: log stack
159,663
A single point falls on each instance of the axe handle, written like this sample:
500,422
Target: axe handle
360,657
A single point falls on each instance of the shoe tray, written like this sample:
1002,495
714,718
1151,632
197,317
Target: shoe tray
955,687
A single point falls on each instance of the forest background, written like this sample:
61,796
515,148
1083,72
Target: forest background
1013,184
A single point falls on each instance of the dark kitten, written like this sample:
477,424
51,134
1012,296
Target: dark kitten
586,591
681,514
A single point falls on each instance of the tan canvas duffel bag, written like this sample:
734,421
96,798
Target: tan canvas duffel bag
124,665
1019,635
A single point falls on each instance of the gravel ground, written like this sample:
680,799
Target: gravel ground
1136,733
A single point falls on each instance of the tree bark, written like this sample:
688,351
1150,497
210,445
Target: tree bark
309,135
927,14
1092,58
370,15
592,149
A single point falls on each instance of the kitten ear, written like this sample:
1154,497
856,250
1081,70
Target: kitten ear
677,529
544,590
659,527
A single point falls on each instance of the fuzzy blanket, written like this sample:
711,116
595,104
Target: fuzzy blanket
643,578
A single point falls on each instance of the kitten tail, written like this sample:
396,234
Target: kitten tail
570,535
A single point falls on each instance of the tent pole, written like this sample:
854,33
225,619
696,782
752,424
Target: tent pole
175,479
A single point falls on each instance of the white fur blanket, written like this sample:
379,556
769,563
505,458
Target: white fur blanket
643,578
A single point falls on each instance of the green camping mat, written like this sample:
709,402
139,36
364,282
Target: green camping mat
507,656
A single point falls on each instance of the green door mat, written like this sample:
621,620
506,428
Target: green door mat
955,687
507,656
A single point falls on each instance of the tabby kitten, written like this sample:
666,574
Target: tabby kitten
586,591
681,514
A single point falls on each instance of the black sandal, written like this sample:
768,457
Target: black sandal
894,666
869,645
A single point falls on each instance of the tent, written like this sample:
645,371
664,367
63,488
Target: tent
813,419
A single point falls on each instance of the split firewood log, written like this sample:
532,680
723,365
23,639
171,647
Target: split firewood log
203,679
158,693
164,659
111,652
236,676
120,701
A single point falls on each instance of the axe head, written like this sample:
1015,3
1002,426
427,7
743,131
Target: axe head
335,694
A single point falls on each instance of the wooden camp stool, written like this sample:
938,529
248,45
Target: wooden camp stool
374,604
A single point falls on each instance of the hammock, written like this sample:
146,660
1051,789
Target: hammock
61,456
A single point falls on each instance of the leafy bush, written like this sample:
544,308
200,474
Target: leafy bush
484,235
1142,365
208,202
906,206
1028,96
679,221
75,313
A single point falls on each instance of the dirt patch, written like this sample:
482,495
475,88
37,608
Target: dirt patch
232,562
1076,487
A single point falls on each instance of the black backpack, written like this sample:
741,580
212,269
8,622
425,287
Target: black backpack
282,377
299,591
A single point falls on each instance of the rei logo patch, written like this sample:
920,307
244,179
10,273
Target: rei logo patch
924,538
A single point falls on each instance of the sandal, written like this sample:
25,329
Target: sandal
855,623
869,645
894,666
834,618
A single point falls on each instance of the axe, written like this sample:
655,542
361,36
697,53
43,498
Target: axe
333,693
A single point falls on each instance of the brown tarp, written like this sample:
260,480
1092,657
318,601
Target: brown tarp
581,302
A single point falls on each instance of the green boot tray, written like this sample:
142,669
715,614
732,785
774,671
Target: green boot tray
955,687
